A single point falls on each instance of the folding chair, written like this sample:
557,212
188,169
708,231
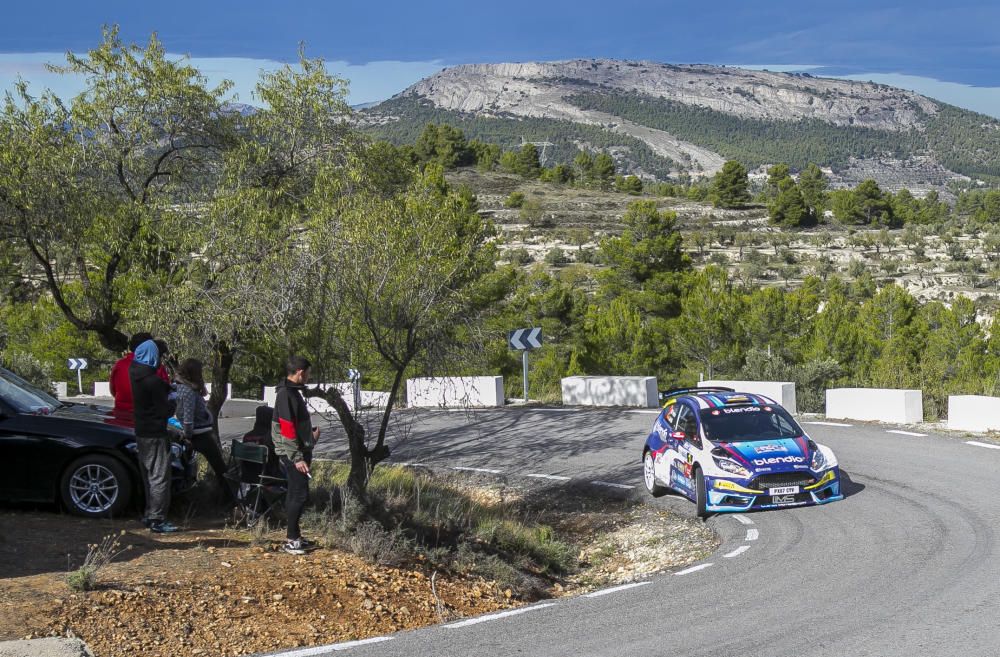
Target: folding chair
257,492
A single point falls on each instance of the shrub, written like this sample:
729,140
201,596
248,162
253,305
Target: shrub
515,200
376,544
520,256
85,578
556,257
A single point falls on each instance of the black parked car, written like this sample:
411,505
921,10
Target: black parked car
54,451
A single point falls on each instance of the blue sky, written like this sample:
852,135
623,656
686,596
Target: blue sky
948,50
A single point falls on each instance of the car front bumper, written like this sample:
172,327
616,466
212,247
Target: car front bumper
730,495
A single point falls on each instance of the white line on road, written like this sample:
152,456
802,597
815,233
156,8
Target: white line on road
654,412
693,569
744,520
502,614
831,424
752,534
554,410
545,476
319,650
414,465
615,589
737,552
906,433
612,485
979,444
476,470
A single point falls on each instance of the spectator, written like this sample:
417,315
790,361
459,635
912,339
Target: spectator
197,421
294,438
119,383
151,411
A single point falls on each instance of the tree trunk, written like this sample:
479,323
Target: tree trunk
357,479
222,365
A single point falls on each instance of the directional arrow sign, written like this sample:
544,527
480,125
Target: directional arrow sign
353,374
77,363
525,339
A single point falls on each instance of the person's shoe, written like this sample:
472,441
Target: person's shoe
307,544
294,547
163,527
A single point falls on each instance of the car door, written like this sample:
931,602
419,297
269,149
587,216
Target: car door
17,453
685,440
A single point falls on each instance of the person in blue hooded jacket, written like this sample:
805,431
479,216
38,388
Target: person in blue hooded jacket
152,409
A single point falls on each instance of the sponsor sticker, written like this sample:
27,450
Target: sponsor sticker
776,460
742,409
764,449
783,499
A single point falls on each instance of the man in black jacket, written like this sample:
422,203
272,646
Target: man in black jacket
150,396
294,438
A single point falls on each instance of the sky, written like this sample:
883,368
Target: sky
950,51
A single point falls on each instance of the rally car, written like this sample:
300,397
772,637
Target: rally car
730,451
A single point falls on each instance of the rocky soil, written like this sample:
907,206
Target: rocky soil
212,590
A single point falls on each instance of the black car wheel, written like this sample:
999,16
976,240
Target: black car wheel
649,476
700,493
96,486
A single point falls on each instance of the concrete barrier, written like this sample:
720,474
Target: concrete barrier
61,388
635,391
974,413
877,404
369,398
102,389
48,647
455,392
782,392
229,390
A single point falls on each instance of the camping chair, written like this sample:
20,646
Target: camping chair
257,492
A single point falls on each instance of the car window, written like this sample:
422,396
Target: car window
24,397
745,423
686,422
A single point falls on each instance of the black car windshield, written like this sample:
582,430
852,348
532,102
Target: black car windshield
24,397
748,423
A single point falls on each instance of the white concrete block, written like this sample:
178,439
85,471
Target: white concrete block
635,391
270,394
974,413
875,404
229,390
61,389
455,392
102,389
369,398
782,392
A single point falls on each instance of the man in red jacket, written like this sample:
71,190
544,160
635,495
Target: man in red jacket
121,387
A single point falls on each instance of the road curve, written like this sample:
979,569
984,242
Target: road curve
908,564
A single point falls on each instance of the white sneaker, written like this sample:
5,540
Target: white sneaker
294,547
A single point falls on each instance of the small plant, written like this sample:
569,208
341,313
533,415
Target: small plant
378,545
99,555
515,200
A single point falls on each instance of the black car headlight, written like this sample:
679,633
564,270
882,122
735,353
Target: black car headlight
732,467
818,460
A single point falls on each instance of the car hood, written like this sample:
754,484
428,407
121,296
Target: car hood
770,455
72,420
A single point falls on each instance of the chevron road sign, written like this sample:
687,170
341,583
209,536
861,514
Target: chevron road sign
78,364
526,338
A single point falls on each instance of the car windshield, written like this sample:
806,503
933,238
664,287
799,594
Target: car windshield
24,397
748,423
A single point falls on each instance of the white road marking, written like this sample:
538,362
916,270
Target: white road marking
554,410
502,614
737,552
615,589
414,465
249,417
693,569
319,650
476,470
650,412
831,424
744,520
906,433
612,485
752,534
979,444
545,476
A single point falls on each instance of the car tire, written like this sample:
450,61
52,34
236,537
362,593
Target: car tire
96,486
701,495
649,479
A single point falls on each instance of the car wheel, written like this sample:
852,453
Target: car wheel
96,486
649,476
701,495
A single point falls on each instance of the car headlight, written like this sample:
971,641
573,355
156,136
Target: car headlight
818,460
732,467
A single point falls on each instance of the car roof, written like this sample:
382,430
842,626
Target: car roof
705,398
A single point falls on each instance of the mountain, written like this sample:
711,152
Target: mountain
662,120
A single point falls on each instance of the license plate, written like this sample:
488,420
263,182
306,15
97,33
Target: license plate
787,490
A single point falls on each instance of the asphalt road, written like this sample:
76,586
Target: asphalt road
907,564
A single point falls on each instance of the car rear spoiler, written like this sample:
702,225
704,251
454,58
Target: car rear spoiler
674,392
